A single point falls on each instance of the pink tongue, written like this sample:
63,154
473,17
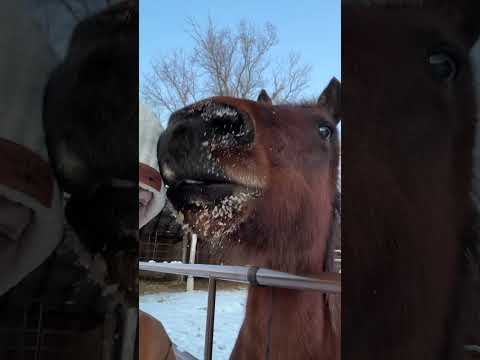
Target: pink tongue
14,219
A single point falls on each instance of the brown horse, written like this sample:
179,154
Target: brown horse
261,180
409,117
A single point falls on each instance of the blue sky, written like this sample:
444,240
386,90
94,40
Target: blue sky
311,27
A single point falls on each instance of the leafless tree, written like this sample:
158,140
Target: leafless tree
172,82
224,61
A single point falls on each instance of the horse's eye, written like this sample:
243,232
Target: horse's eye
444,66
325,132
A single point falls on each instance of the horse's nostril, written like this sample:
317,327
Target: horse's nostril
232,130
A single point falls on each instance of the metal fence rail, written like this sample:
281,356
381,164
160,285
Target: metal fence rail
326,282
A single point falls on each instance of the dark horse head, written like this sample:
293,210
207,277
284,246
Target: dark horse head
91,123
409,120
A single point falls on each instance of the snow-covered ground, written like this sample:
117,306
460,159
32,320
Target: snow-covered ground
183,314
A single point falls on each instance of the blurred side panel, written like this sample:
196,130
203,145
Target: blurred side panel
410,230
69,179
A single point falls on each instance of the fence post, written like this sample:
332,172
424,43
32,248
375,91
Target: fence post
184,253
212,289
193,248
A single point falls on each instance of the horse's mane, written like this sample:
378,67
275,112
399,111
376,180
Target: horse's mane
334,238
334,234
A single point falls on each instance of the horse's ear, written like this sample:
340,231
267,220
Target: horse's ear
331,98
264,98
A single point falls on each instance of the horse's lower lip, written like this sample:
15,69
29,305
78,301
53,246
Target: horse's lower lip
196,194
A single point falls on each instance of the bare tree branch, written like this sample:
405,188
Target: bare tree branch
172,82
289,83
224,61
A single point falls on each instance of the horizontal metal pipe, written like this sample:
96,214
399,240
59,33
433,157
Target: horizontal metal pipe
326,282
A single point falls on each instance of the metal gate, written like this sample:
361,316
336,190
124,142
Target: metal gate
326,282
